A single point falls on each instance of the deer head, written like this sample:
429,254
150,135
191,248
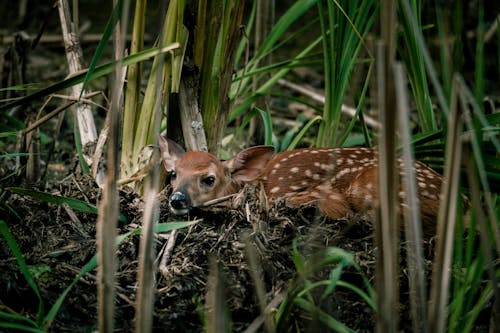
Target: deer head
197,177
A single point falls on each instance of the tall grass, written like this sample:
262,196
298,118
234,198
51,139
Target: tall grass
343,31
465,274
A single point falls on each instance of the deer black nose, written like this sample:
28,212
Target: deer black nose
179,203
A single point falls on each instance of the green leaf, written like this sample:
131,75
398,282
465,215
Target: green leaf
99,72
79,205
325,318
14,247
268,126
303,132
108,30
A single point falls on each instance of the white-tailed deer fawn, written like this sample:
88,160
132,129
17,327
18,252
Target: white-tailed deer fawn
338,181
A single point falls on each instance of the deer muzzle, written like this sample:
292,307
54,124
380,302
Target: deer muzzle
179,203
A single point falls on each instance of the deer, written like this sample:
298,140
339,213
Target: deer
339,182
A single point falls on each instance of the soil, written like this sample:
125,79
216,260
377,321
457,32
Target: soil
59,245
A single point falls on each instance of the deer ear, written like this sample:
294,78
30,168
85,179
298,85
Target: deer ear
170,152
248,164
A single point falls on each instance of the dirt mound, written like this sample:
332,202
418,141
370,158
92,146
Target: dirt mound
58,241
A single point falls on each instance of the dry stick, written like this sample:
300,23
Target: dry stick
33,163
257,277
146,270
49,116
321,99
216,312
85,38
77,224
191,118
167,252
413,228
85,120
99,149
108,212
216,201
386,229
446,219
85,98
271,307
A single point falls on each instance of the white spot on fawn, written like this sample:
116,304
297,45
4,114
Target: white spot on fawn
342,173
308,173
277,166
315,195
295,188
335,196
316,176
314,152
275,189
294,169
324,187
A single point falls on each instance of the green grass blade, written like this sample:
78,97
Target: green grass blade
12,135
166,227
303,132
291,15
108,31
335,275
13,155
479,66
20,327
99,72
12,316
16,251
325,318
268,126
79,205
266,86
369,298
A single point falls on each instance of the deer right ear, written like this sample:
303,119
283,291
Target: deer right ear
248,164
170,152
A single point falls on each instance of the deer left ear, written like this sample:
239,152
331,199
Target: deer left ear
248,164
170,152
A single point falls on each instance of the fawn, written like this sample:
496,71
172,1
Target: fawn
338,181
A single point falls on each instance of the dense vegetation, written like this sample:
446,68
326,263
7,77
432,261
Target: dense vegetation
79,144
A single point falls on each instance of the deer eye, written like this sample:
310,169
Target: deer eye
208,181
171,176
